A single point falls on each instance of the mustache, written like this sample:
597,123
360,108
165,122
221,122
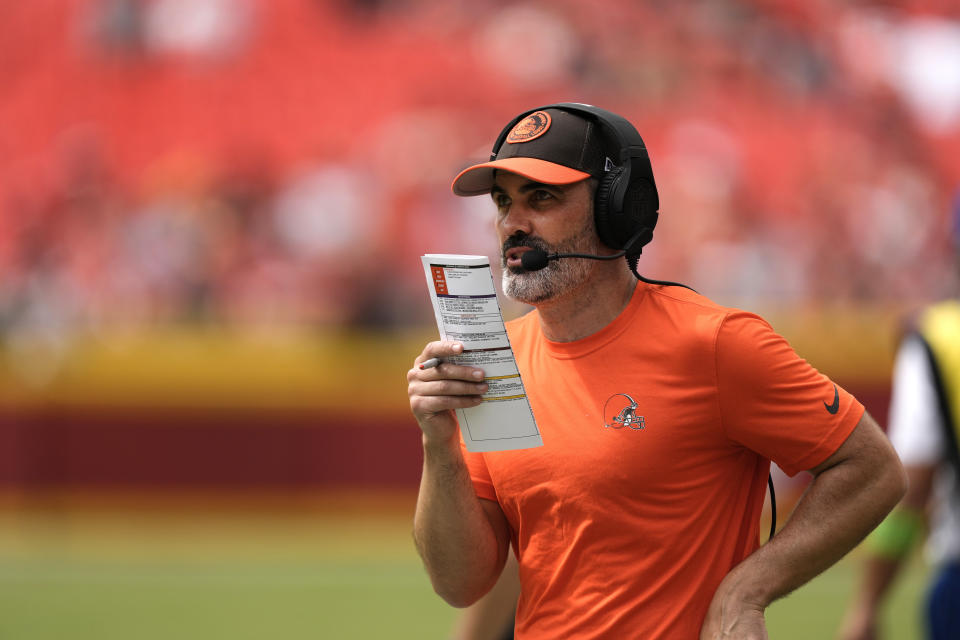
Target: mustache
523,240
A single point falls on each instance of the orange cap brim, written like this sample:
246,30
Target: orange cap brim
478,179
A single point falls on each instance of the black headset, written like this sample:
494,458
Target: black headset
626,203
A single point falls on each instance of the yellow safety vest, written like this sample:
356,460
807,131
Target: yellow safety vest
939,327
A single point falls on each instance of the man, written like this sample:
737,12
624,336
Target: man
924,410
649,531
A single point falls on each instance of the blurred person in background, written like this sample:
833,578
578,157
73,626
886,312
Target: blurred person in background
653,530
925,430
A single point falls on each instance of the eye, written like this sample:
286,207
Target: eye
501,200
540,196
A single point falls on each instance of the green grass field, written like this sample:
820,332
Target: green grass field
349,572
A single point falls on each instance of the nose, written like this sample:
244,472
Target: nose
516,219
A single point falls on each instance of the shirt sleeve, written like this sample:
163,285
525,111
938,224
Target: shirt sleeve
774,402
915,425
479,474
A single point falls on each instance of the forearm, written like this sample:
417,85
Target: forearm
463,541
851,493
460,548
841,506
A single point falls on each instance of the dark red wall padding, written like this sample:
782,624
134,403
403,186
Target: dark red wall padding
180,448
210,449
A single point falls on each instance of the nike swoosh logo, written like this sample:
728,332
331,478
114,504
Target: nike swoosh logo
833,408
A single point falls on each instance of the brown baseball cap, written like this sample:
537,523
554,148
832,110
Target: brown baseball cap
552,146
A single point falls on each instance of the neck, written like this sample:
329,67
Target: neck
590,307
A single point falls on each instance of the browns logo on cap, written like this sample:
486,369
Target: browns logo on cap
530,128
549,145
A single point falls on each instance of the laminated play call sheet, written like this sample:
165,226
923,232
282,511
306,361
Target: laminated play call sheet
466,307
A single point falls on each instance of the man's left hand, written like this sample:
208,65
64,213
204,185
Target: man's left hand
728,620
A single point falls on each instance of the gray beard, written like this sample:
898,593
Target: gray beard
558,277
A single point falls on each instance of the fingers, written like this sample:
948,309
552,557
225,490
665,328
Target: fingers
424,406
439,349
445,370
435,393
446,386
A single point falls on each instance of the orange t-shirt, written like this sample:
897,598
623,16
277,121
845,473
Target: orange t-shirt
657,432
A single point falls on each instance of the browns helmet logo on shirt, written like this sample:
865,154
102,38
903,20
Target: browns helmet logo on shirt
620,411
531,127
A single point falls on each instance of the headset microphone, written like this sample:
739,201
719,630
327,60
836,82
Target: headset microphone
537,259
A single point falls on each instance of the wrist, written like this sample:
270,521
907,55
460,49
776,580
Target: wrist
444,446
738,592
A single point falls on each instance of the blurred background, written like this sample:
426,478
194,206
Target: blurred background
211,217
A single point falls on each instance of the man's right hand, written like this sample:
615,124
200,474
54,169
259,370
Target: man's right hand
436,392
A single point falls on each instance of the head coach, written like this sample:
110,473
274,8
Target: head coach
660,412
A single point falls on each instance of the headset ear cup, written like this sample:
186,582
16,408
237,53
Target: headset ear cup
604,217
616,227
640,212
